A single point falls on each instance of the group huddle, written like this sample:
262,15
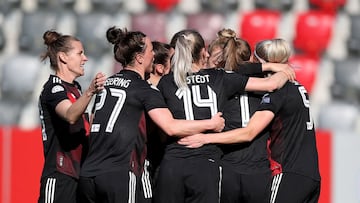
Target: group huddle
179,123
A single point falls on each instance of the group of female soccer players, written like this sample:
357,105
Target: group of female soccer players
232,125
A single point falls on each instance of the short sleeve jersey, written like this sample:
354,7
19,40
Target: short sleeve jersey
63,143
116,140
206,94
292,137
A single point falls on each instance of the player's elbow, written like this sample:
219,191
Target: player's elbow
170,132
249,136
71,120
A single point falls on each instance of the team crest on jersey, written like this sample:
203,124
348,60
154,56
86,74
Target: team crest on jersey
57,88
265,99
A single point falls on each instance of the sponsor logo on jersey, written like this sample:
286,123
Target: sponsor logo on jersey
57,88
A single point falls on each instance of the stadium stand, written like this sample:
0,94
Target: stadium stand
162,5
219,6
18,79
2,39
259,24
189,6
214,23
306,68
109,6
346,84
55,4
90,29
326,5
30,38
338,116
146,21
280,5
353,42
135,6
314,30
255,20
6,6
331,79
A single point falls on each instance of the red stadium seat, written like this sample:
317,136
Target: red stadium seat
328,5
306,69
153,24
207,24
259,25
163,5
313,32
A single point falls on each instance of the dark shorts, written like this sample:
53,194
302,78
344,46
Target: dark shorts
58,188
294,188
188,180
245,188
114,187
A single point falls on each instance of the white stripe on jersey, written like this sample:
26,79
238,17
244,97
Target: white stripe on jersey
220,181
132,187
275,186
245,110
56,80
145,179
50,190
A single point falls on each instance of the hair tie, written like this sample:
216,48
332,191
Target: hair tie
188,37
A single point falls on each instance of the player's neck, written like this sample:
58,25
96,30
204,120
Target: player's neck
137,70
195,68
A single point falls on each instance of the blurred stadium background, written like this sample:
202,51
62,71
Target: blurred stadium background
324,34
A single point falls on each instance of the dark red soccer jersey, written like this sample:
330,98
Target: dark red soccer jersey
63,143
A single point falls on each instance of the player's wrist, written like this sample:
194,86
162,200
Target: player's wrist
89,93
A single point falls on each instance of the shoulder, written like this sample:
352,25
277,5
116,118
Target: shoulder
53,91
166,80
168,77
213,71
54,85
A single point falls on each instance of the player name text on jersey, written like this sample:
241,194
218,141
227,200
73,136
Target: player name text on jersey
196,79
118,82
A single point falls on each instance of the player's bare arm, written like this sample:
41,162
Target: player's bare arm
181,128
71,112
257,123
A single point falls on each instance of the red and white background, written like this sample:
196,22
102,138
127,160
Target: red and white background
21,159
